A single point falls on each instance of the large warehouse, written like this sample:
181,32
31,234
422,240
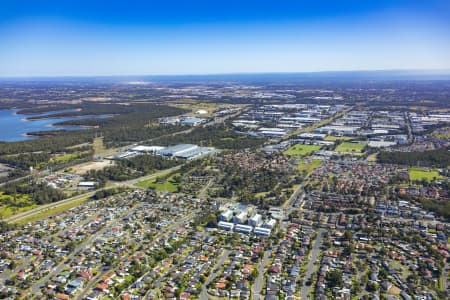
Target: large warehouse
186,151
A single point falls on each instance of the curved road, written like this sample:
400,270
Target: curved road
18,217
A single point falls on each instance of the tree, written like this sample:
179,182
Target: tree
348,235
334,278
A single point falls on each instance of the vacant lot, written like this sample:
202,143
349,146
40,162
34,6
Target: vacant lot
348,147
162,183
95,165
423,173
301,150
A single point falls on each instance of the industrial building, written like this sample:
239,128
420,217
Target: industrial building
87,185
185,151
338,130
146,149
192,121
312,136
272,132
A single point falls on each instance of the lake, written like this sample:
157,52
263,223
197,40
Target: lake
14,127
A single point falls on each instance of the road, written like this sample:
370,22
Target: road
203,192
28,259
130,183
35,288
20,216
222,258
316,125
161,234
259,281
409,127
312,260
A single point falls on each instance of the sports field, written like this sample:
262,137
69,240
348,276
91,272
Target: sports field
301,150
348,147
423,173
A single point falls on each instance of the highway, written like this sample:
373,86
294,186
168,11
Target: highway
130,183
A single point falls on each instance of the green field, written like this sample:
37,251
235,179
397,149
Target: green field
333,138
65,158
162,183
423,173
348,147
308,167
442,133
301,150
10,205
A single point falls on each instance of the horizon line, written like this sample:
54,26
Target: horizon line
443,71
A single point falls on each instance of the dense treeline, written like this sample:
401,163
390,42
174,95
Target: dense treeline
248,181
129,127
440,207
13,174
5,226
40,193
149,163
136,123
45,109
53,144
132,168
94,109
25,160
218,136
434,158
108,192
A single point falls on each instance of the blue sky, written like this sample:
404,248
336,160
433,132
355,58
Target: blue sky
53,38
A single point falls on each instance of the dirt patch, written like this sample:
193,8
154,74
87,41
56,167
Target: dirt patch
95,165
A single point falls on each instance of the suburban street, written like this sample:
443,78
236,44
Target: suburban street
36,287
259,281
222,258
312,260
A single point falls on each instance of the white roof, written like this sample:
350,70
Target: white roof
147,148
380,144
87,183
225,224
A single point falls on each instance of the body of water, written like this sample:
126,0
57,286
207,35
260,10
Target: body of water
14,127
